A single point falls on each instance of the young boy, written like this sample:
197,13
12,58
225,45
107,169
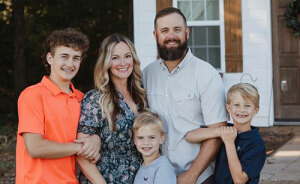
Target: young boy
243,154
49,112
148,136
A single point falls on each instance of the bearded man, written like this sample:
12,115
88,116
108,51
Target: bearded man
187,93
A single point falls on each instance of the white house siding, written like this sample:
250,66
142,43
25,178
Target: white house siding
257,57
144,13
257,49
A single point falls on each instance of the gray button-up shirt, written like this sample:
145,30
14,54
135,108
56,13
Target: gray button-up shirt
190,96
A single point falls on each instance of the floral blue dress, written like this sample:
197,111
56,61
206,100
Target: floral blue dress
119,159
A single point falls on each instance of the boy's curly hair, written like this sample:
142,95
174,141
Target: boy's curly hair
68,37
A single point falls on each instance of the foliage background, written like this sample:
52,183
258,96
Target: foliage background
25,24
96,18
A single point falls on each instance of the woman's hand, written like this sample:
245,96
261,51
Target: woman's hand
91,146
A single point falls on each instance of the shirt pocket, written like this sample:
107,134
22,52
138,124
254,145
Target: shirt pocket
185,105
183,96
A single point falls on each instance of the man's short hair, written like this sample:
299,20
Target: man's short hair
148,118
68,37
168,11
246,90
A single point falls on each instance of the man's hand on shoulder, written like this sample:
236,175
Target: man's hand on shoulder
228,134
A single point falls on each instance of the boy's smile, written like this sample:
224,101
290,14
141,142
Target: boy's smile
65,63
147,140
241,109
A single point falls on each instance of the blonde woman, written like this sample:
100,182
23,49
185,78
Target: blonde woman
109,111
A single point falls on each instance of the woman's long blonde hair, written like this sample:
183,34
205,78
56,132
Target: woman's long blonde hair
103,83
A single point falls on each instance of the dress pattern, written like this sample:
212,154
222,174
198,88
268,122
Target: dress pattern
119,159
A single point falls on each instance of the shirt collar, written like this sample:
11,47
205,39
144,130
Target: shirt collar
181,64
121,98
55,90
153,163
248,134
119,94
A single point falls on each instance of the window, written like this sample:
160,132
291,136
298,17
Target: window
205,19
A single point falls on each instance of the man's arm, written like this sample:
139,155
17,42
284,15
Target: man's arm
38,147
208,152
228,135
202,134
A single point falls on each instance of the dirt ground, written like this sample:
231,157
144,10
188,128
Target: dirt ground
7,156
273,137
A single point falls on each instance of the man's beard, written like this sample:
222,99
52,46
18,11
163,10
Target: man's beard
172,53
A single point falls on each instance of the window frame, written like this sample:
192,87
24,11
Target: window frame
220,23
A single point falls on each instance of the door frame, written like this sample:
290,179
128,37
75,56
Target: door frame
276,76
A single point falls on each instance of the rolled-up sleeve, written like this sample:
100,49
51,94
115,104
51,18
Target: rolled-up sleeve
213,101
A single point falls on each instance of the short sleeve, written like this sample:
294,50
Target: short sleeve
254,160
165,174
213,101
90,117
31,112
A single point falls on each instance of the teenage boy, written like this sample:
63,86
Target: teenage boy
148,137
48,114
243,153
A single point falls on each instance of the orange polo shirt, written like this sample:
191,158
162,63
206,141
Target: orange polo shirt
47,110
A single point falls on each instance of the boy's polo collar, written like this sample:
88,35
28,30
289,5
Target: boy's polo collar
181,64
248,134
55,90
75,92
